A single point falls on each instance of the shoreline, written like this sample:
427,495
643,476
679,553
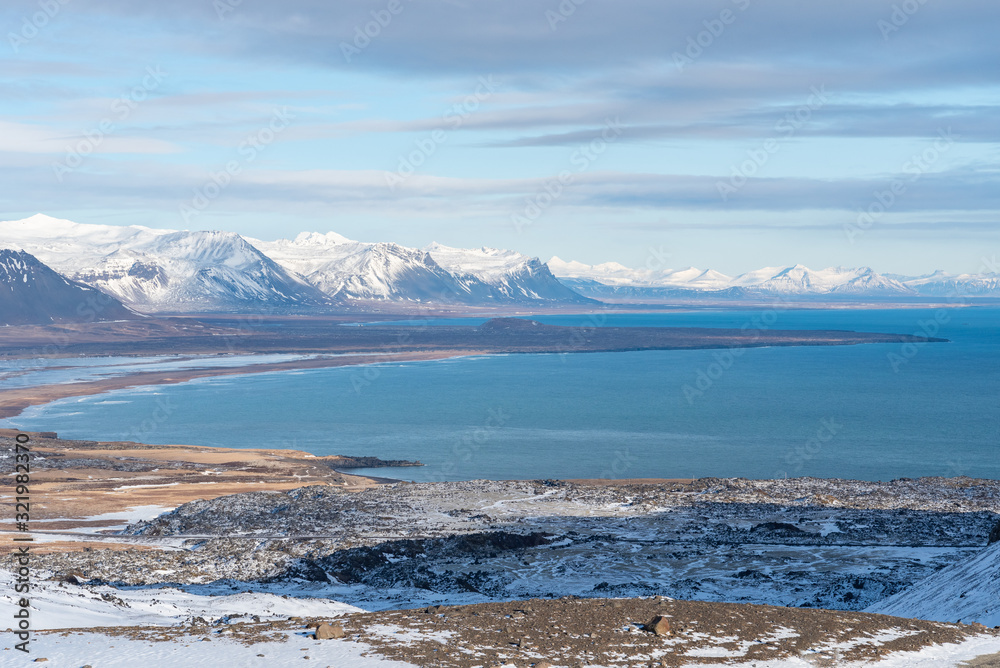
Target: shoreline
107,480
13,402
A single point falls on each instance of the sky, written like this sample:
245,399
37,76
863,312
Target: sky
730,134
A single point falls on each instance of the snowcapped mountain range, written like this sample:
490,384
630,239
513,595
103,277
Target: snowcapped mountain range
351,270
611,279
154,270
176,271
160,269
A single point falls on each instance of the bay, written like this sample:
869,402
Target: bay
872,412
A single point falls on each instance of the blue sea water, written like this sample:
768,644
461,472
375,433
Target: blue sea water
874,412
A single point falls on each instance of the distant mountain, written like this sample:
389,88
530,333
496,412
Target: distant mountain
502,276
165,270
162,270
154,270
33,294
348,271
616,282
199,271
643,293
800,280
942,284
613,273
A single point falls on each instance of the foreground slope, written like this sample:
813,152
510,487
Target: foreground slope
175,628
968,590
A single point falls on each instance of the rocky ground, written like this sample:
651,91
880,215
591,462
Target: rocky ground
488,573
800,542
618,632
522,573
583,632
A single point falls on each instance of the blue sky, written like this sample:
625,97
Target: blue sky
729,134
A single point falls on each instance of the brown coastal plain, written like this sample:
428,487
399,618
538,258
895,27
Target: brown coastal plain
72,480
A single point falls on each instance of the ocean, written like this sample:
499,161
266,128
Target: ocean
871,412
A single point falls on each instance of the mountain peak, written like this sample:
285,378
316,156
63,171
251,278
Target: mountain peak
31,293
42,224
320,239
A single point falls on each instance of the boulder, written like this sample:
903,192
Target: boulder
329,632
995,534
658,625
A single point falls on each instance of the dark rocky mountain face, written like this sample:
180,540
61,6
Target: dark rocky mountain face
33,294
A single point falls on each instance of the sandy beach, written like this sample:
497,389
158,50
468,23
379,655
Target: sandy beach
14,401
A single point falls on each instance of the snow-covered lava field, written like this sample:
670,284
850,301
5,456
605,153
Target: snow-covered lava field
255,569
833,544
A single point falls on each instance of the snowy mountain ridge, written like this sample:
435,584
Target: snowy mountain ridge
168,270
792,280
158,270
